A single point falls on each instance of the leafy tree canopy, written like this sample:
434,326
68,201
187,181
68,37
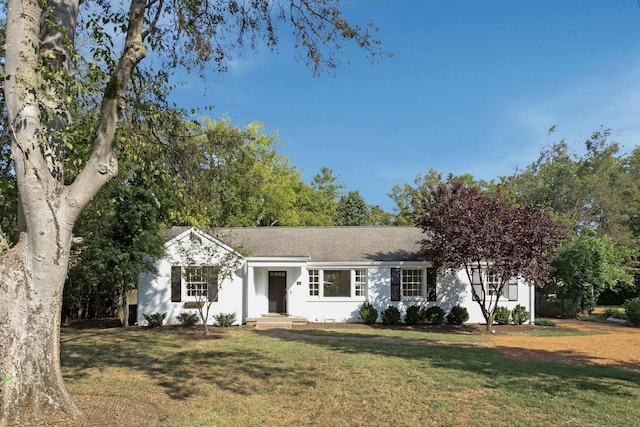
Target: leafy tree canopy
465,226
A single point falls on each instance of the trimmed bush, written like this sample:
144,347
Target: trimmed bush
435,315
225,319
368,313
614,312
188,319
502,316
415,315
545,322
458,315
632,310
155,319
391,316
520,314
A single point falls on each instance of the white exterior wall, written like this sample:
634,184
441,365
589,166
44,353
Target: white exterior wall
458,288
450,291
247,292
154,291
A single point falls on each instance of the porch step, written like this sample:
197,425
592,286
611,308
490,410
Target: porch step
274,321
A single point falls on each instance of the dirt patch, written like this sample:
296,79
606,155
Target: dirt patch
611,344
105,411
203,337
599,343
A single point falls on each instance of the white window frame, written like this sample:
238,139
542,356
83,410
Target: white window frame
358,283
416,285
314,282
195,286
195,281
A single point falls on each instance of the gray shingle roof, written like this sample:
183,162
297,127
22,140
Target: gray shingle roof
323,244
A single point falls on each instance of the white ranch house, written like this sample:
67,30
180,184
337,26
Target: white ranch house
321,274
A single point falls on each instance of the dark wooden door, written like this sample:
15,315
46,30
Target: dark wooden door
278,292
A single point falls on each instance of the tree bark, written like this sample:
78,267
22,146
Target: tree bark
32,273
30,302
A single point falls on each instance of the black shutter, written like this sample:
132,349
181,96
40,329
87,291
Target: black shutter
395,284
212,285
431,284
176,283
512,289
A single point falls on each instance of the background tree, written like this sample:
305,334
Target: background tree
468,228
319,200
585,267
352,210
39,75
112,255
596,193
409,199
591,191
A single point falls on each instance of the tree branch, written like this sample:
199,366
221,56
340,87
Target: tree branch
102,165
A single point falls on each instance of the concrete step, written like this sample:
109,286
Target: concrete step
272,321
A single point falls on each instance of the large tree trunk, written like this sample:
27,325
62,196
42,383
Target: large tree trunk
32,274
30,301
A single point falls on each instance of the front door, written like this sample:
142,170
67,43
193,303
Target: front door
278,292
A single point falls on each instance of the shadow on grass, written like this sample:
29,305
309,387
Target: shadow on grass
256,363
577,373
172,362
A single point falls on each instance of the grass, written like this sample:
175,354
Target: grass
345,378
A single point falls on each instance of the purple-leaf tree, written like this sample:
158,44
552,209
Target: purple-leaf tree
492,241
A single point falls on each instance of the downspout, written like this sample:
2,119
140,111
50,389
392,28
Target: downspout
532,304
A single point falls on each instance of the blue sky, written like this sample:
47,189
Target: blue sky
472,87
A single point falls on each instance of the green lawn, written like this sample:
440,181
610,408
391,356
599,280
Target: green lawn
345,377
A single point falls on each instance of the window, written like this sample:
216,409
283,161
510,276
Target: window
492,282
314,283
361,283
196,281
412,283
193,282
338,283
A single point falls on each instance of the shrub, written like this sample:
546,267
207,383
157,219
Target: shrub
614,312
435,315
391,316
458,315
368,313
415,315
155,319
545,322
225,319
502,316
558,308
520,314
632,310
188,319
